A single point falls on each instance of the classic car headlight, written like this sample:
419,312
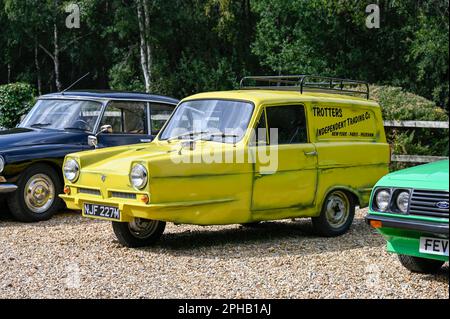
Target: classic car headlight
138,176
2,164
71,170
403,201
382,199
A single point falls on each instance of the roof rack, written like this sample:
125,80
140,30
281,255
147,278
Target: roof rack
306,83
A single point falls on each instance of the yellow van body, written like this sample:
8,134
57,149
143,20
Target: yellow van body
346,150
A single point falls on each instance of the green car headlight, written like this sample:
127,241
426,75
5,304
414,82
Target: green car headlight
71,170
138,176
402,201
383,199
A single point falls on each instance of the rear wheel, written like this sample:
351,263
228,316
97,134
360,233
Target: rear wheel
139,233
251,225
420,265
336,216
36,198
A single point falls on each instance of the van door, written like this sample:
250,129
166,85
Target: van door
293,183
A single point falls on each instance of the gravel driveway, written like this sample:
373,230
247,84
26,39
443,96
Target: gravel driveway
72,257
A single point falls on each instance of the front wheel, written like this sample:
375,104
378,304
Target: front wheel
420,265
139,233
336,216
36,198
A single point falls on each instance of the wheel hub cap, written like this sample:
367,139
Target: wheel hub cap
39,193
337,210
142,228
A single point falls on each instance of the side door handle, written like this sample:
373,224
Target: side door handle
313,153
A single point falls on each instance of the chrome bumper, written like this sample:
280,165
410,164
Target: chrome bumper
7,188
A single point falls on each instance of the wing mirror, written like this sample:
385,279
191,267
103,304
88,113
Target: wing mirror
93,139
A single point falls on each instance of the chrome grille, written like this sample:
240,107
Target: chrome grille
88,191
425,203
123,195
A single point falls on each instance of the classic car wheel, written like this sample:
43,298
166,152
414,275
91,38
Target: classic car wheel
420,265
139,233
36,198
336,216
251,225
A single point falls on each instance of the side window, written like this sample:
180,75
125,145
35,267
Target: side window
126,117
261,131
160,113
290,122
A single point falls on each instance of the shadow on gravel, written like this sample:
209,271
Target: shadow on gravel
442,276
279,238
5,214
62,217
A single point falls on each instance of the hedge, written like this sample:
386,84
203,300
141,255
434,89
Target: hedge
16,99
399,105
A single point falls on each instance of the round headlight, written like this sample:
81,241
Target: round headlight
383,199
2,164
403,201
138,176
71,170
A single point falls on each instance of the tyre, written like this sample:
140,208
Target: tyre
336,216
139,233
251,225
420,265
36,198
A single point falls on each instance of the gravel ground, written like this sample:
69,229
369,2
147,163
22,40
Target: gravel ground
72,257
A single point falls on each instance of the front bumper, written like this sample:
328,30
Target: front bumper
7,188
410,224
403,234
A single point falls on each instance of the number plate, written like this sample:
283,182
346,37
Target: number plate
101,211
434,246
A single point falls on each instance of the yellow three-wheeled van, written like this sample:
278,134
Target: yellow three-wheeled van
278,148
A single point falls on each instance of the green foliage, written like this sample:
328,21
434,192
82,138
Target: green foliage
410,49
209,44
16,99
399,105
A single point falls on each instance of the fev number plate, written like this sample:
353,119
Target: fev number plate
101,211
434,246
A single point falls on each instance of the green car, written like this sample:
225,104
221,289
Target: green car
410,209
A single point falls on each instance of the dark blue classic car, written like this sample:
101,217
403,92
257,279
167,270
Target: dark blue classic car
32,154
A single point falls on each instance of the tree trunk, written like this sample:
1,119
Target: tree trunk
147,40
145,49
38,67
9,72
56,61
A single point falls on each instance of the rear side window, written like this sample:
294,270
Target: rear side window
126,117
290,122
160,113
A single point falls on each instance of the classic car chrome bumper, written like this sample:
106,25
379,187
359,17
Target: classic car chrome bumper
7,188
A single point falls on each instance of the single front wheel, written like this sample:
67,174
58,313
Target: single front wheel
336,216
36,198
420,265
139,233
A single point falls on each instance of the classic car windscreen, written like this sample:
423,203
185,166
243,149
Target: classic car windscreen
216,120
63,115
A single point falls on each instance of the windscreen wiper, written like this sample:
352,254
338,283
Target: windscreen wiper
40,125
76,129
185,135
